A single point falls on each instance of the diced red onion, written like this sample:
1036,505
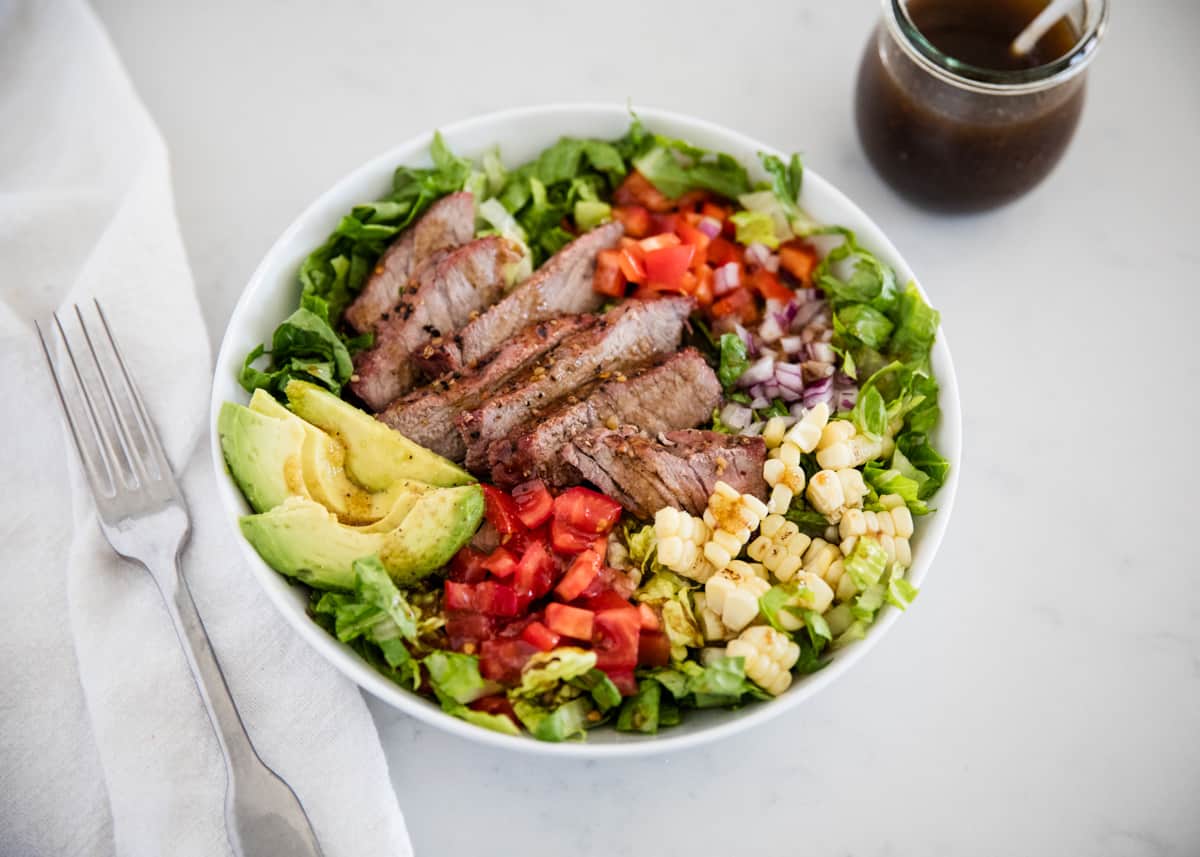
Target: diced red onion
759,402
770,330
791,345
758,372
806,313
846,399
755,428
761,255
817,392
825,335
710,226
789,377
726,278
797,410
737,416
822,351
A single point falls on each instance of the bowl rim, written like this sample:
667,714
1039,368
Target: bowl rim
352,666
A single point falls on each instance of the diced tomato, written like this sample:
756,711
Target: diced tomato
534,574
459,596
520,541
689,234
635,219
608,279
768,285
588,512
692,200
704,287
570,621
467,566
654,649
649,618
495,599
663,223
716,212
667,265
581,573
534,503
468,628
501,563
503,660
636,189
615,638
798,258
722,251
497,703
501,511
631,265
738,303
606,598
657,242
537,634
625,681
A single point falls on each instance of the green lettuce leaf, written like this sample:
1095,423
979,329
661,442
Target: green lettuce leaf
755,227
810,522
455,677
671,594
865,323
597,683
303,347
733,360
866,563
889,480
786,181
546,670
923,457
568,720
916,327
675,167
639,713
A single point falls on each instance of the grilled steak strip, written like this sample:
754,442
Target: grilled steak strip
440,301
563,285
629,336
449,223
679,393
645,475
427,415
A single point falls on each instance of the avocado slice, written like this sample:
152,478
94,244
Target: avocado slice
376,455
302,539
323,462
263,454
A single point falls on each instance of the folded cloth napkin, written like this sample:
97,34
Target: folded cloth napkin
104,746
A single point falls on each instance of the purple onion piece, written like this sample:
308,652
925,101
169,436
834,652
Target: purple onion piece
759,402
758,372
710,226
791,345
737,416
771,330
817,392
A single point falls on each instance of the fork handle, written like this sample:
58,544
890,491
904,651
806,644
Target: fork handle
262,814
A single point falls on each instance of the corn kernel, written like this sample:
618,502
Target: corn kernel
889,546
797,543
670,551
773,432
891,501
902,522
760,548
835,457
838,431
854,487
773,471
825,493
717,555
789,454
771,525
853,524
846,588
666,521
886,525
781,499
872,522
755,506
727,542
903,551
821,594
847,545
834,573
788,567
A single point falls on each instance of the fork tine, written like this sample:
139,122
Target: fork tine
153,442
85,459
124,434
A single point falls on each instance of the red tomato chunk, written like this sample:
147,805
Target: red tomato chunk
534,503
615,638
570,621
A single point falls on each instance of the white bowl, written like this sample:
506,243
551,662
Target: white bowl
273,292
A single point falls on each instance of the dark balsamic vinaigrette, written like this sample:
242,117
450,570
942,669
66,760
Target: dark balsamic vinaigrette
954,149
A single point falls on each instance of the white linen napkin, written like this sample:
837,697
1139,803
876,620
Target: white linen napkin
104,746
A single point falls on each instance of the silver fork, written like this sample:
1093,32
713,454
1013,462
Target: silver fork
145,519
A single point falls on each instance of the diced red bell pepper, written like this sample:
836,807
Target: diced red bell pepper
534,574
635,219
768,285
663,223
798,258
503,660
692,200
467,566
636,189
716,212
501,511
704,287
625,681
501,563
649,618
722,251
692,236
582,572
609,279
537,634
739,303
495,599
631,264
658,242
654,649
615,638
534,503
666,266
570,621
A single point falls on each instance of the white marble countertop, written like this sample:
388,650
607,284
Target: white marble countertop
1043,694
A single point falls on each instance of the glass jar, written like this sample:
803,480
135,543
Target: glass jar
954,136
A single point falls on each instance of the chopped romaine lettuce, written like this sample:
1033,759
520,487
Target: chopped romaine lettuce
865,323
455,676
568,720
303,347
733,360
866,563
786,181
546,670
672,595
591,213
755,227
639,713
675,167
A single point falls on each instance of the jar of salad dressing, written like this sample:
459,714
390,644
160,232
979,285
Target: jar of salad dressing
951,118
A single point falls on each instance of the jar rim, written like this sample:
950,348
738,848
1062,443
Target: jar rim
996,81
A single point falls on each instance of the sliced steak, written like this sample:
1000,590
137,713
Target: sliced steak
427,415
628,337
563,285
645,474
449,223
440,301
679,393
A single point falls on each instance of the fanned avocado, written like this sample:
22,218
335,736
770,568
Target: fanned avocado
323,463
376,456
264,455
302,539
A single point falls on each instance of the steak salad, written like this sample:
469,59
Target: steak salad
615,434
